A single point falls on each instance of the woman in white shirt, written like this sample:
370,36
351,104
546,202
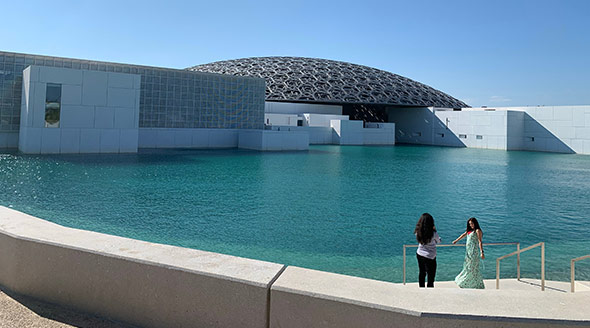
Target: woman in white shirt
427,238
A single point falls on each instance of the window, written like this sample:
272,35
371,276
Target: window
417,134
463,136
52,105
478,137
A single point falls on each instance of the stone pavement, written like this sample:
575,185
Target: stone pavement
18,311
525,284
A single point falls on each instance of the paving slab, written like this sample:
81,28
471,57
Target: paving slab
523,303
525,284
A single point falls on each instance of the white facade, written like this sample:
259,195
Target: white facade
354,133
274,140
99,112
563,129
314,119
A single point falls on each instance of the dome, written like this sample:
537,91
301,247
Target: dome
312,80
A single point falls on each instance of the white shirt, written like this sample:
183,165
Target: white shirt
429,250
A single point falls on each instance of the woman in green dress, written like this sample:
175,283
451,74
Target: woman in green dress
470,276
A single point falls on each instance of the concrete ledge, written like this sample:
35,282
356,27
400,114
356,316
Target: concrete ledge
307,298
282,139
141,283
154,285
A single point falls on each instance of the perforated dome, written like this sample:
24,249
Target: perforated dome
312,80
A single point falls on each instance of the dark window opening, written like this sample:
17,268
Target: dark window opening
52,105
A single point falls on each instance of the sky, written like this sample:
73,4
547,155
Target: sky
485,53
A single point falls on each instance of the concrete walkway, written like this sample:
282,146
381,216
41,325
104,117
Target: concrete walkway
18,311
525,284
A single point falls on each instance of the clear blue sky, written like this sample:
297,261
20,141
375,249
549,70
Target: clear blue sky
494,53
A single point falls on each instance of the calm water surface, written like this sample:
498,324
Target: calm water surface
341,209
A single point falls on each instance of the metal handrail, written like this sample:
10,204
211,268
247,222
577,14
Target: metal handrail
573,269
463,245
542,244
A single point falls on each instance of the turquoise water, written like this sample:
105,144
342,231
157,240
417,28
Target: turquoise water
340,209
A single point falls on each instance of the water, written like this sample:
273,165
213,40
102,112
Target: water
340,209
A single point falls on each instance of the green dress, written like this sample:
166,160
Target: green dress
471,277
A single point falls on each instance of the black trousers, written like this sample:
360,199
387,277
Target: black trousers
427,267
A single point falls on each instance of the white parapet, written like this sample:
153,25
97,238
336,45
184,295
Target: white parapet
354,133
377,133
347,132
142,283
279,139
155,285
321,120
308,298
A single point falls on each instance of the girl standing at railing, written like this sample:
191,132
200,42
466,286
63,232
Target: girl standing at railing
427,238
470,276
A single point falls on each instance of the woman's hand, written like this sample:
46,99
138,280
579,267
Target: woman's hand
454,241
483,256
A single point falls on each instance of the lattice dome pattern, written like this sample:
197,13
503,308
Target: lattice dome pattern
299,79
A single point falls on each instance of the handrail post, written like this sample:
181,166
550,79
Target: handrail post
404,264
542,266
573,275
518,262
497,274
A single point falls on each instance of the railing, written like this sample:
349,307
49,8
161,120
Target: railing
542,244
463,245
573,269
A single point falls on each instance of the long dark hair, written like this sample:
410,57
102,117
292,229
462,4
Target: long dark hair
425,229
475,225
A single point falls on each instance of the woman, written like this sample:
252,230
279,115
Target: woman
471,277
427,238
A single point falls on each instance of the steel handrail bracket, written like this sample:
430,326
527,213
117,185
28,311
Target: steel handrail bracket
573,269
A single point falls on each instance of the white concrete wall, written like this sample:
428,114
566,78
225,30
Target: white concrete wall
413,125
308,298
347,132
515,130
188,138
563,129
475,129
379,134
99,111
557,128
300,108
274,140
281,119
320,135
155,285
321,119
141,283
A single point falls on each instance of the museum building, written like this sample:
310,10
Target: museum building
64,105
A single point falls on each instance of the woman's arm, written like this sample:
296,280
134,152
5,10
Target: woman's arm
479,237
460,237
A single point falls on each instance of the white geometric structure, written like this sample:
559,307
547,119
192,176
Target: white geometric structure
67,110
